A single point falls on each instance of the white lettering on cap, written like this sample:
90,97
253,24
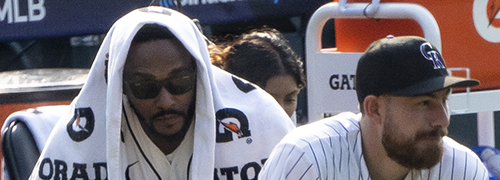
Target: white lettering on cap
432,55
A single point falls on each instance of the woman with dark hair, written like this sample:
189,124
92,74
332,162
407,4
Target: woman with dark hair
264,57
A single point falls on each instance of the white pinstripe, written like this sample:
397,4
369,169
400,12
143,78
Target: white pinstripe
330,149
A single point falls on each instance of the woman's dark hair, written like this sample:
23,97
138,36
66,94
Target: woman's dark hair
259,55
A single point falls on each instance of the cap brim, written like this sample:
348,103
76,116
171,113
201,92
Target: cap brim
435,84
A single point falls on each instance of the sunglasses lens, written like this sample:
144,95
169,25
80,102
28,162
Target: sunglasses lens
145,90
175,86
181,85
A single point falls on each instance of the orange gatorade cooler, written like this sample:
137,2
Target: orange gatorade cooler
470,35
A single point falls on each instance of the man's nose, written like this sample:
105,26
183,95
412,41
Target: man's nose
441,115
164,98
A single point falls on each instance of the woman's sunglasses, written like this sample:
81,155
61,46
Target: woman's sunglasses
176,85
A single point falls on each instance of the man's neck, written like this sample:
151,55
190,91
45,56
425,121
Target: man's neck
167,147
380,166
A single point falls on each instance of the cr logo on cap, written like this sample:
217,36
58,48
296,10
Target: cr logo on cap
432,55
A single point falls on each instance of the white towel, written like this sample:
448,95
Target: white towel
39,121
91,138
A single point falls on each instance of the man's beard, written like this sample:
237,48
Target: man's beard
176,137
405,150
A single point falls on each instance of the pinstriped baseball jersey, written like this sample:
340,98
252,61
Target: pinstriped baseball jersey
330,149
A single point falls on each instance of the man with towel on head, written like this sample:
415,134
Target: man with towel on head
153,107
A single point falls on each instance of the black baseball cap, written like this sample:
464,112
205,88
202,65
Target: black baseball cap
403,66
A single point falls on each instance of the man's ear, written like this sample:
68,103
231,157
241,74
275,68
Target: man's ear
372,108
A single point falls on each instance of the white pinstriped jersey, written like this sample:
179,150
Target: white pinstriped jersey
330,149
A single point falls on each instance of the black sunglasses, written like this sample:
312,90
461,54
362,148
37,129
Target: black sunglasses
176,85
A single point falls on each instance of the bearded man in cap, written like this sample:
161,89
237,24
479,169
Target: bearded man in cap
403,87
